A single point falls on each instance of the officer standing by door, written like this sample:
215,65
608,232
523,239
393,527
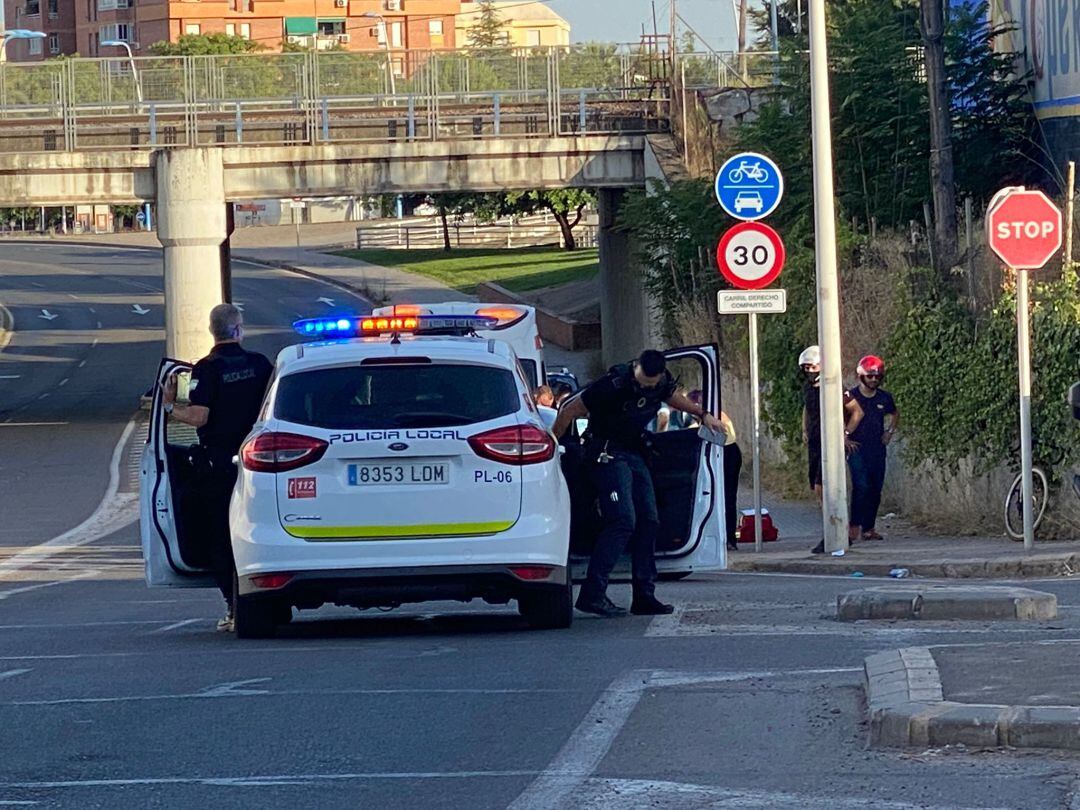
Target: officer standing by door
619,406
227,389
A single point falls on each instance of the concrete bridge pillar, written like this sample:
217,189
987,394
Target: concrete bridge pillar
191,227
626,318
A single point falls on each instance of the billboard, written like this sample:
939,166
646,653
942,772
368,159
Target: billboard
1048,34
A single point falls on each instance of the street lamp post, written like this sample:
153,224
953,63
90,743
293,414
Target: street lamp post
834,510
119,43
16,33
386,44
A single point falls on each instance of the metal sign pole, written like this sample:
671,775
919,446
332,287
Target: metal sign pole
1023,351
755,401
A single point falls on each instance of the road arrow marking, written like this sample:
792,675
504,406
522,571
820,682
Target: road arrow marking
328,301
139,309
48,316
234,689
238,306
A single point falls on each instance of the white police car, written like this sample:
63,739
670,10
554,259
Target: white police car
405,468
382,470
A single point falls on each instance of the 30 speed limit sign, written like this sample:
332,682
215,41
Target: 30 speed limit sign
750,255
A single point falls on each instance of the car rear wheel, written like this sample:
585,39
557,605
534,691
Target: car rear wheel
252,617
551,609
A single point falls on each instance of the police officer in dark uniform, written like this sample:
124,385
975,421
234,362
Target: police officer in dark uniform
619,406
227,389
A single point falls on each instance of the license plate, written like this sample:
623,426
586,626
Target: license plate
425,473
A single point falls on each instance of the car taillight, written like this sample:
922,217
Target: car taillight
520,444
280,452
506,316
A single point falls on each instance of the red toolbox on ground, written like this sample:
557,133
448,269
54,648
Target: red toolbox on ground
746,527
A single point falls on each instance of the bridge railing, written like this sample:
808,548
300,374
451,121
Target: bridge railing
318,97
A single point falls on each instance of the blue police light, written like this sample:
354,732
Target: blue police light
381,325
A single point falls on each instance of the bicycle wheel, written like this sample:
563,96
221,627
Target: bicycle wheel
1014,509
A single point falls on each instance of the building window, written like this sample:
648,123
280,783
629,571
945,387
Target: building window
54,43
331,28
245,30
33,8
35,46
434,28
120,31
109,5
398,66
54,9
230,29
192,28
532,37
397,34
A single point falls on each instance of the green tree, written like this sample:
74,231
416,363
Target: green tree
566,205
205,45
488,31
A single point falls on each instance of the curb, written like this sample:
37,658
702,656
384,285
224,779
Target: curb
907,709
935,603
1049,565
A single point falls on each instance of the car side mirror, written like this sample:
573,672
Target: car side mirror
1074,399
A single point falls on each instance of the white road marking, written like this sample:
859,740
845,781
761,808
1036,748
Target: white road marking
93,311
328,301
44,396
98,326
176,625
63,382
115,511
10,376
82,363
271,781
559,785
235,689
15,803
48,316
666,625
95,341
613,794
139,309
11,673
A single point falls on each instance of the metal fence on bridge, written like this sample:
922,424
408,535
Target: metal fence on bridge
327,97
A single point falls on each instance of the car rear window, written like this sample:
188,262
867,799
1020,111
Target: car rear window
414,395
529,367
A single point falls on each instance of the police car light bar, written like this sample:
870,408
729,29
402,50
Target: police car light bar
371,326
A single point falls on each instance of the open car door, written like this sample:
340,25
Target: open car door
688,476
170,510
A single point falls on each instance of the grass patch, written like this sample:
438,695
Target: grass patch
518,269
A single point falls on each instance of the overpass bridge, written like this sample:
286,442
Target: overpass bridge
194,134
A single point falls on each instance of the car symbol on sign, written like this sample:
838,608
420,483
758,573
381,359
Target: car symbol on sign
749,200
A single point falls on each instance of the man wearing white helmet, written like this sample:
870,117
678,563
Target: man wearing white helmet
810,363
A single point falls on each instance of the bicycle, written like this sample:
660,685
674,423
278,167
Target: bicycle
1014,502
752,171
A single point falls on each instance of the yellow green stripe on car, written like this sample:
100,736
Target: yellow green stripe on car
398,532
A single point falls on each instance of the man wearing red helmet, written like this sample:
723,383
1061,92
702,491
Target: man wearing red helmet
872,436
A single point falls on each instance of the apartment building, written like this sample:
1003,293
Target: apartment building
79,26
525,25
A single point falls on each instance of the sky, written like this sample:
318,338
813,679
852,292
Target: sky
620,20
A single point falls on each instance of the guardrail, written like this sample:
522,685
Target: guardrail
322,97
502,234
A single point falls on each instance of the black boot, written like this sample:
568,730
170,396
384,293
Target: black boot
598,606
819,548
649,606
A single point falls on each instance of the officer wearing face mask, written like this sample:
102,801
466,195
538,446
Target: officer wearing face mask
619,406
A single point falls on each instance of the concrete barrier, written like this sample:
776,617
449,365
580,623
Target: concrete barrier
558,329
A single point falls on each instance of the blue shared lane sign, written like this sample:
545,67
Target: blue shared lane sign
749,186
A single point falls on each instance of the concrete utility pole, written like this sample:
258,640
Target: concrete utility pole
741,22
932,23
834,507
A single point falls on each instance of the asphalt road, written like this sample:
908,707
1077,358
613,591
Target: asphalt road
80,357
112,695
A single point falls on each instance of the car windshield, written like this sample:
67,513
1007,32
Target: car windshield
412,396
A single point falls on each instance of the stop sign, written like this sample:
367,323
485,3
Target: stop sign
1024,228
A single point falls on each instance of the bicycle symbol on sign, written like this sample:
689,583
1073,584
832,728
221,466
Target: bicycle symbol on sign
751,171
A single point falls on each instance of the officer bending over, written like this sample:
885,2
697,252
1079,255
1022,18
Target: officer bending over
227,388
619,406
